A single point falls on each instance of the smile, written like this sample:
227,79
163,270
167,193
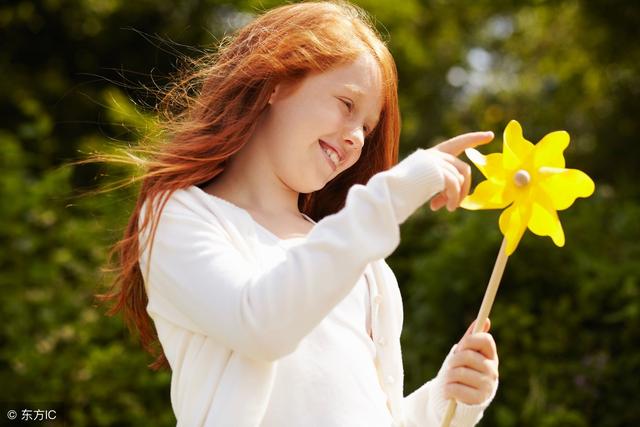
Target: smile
330,154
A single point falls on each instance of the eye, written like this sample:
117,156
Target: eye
348,103
350,106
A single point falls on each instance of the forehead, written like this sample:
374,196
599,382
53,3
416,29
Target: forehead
362,77
363,71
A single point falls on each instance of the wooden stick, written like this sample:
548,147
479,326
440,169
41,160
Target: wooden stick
483,313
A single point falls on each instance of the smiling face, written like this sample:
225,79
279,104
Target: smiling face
315,129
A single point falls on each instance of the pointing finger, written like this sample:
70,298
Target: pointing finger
458,144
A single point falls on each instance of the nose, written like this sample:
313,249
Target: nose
354,138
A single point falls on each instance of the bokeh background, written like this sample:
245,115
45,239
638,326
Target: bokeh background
77,77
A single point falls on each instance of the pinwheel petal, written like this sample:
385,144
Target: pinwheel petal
490,165
515,148
544,219
564,186
513,223
548,152
487,195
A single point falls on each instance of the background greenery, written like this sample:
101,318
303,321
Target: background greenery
567,321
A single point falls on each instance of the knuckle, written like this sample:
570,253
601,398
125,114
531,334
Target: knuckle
490,373
457,360
471,358
485,336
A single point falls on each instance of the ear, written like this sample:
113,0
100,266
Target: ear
274,94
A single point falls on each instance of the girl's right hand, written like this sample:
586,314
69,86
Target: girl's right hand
457,174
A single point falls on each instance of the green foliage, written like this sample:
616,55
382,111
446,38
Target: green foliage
566,321
57,345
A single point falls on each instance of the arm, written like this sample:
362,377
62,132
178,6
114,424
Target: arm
195,269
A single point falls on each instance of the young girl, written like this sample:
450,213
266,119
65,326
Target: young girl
257,245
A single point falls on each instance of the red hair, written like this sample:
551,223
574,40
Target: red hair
210,111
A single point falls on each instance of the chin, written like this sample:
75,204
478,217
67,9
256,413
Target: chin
311,185
312,181
310,188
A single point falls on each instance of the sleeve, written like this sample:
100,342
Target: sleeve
196,269
427,405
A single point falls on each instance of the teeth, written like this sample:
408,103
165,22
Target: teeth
332,155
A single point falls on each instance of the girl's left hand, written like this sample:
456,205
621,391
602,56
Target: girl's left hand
472,373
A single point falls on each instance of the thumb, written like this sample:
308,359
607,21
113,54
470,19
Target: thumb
485,327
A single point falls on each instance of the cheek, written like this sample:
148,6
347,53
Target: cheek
353,160
309,107
355,157
284,151
320,114
329,114
294,163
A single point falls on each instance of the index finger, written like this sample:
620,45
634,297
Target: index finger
460,143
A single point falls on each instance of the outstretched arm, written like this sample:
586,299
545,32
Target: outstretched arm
200,280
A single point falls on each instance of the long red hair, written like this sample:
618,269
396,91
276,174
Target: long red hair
209,112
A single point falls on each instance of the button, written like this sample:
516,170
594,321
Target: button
377,299
390,379
382,341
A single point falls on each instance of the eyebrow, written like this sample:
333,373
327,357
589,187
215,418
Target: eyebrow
358,90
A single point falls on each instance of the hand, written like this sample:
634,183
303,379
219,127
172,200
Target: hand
457,174
472,372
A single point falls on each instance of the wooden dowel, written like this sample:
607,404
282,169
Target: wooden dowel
483,313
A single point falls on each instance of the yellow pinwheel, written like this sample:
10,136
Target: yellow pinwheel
532,179
533,182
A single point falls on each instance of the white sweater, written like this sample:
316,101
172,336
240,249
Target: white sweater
331,378
228,308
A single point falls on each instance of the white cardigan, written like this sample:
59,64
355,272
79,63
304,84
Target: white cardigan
225,313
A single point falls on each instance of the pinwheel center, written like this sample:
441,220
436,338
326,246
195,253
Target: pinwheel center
521,178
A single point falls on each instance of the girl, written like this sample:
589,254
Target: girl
258,241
